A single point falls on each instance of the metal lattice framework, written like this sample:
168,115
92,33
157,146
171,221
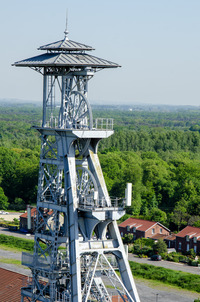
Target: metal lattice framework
77,242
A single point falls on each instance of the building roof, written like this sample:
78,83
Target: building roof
10,285
66,45
170,237
77,60
190,231
66,53
158,236
33,213
140,224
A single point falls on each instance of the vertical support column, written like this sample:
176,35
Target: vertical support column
96,170
72,203
123,264
44,98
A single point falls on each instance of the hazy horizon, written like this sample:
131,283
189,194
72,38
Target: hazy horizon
156,43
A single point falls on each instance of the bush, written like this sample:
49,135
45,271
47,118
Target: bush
183,259
11,241
144,242
160,247
164,256
145,250
130,248
193,262
168,276
191,253
128,238
25,244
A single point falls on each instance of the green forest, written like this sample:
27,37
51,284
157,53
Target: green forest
157,149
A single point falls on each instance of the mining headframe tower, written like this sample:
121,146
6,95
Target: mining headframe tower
77,245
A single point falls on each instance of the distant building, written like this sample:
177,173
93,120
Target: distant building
188,238
24,220
143,229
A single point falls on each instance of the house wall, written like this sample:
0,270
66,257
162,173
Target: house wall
183,245
156,229
170,243
24,223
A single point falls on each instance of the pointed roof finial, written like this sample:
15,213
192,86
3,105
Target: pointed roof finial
66,31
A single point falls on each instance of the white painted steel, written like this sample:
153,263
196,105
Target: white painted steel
128,194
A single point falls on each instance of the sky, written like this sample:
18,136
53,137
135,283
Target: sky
156,42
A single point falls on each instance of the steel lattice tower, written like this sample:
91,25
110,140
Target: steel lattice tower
74,210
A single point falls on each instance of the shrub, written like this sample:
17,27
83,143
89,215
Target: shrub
144,242
177,278
160,247
145,250
25,244
191,253
130,248
128,238
164,256
193,262
183,259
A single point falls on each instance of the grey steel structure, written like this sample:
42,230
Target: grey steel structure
74,210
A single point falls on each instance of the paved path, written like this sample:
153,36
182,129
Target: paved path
5,231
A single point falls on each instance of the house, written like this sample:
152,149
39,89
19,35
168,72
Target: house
170,241
143,229
33,213
23,224
188,238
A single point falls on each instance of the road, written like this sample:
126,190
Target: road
16,234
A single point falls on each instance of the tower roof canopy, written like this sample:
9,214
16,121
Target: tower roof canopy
65,45
66,59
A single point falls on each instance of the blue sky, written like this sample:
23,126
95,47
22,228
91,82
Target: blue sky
155,41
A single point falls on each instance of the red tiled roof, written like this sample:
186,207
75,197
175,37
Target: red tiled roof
171,237
190,231
158,236
10,285
141,225
33,213
117,299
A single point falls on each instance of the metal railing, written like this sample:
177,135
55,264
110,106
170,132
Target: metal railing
30,261
98,124
103,123
91,203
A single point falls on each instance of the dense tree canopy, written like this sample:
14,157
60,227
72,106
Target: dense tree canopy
157,151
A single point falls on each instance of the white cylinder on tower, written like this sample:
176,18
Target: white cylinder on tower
128,194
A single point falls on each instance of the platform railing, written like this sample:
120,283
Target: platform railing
98,124
91,203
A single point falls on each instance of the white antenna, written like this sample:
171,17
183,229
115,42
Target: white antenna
66,31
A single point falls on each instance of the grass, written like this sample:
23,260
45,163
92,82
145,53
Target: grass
10,261
16,242
11,249
166,276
